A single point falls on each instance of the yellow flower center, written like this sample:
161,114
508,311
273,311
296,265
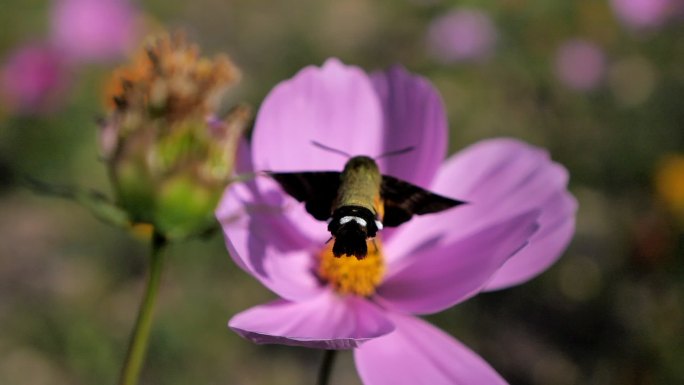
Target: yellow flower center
348,275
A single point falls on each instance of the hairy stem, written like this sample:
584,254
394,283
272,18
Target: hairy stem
137,347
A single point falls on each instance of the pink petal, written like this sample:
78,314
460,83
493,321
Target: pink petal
270,236
413,116
327,321
334,105
492,170
498,178
557,225
436,278
417,353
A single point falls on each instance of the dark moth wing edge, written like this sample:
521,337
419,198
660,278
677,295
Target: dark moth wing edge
317,189
402,200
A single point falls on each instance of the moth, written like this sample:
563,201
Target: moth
359,201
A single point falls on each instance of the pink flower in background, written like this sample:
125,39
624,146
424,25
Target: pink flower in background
34,75
642,14
94,30
32,78
519,219
462,35
580,65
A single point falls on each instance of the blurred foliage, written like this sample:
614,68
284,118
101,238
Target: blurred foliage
611,311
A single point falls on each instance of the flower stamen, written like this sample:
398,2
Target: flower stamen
349,275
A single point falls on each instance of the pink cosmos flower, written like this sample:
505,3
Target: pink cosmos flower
462,35
580,64
642,14
94,30
519,218
32,78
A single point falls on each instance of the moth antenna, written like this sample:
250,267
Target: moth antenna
329,239
396,152
376,246
330,149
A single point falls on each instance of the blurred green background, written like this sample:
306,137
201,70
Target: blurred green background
611,311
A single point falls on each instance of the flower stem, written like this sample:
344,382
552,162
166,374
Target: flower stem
326,367
137,347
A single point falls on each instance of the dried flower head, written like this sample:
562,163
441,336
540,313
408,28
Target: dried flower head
168,154
170,80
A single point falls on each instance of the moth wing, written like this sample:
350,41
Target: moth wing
316,189
402,200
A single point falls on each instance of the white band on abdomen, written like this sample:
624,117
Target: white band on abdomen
350,218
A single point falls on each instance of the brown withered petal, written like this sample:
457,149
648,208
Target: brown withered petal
168,78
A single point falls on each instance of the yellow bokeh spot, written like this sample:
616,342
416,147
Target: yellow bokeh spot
348,275
142,231
670,182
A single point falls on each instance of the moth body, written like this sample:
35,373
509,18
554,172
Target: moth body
357,207
359,201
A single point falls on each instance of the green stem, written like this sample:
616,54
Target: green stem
326,367
137,347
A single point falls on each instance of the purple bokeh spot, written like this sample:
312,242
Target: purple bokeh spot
94,30
462,35
642,14
32,77
580,65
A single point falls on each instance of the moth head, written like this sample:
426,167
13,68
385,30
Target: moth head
351,226
362,162
350,240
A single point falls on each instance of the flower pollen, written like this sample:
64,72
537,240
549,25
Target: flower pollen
349,275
